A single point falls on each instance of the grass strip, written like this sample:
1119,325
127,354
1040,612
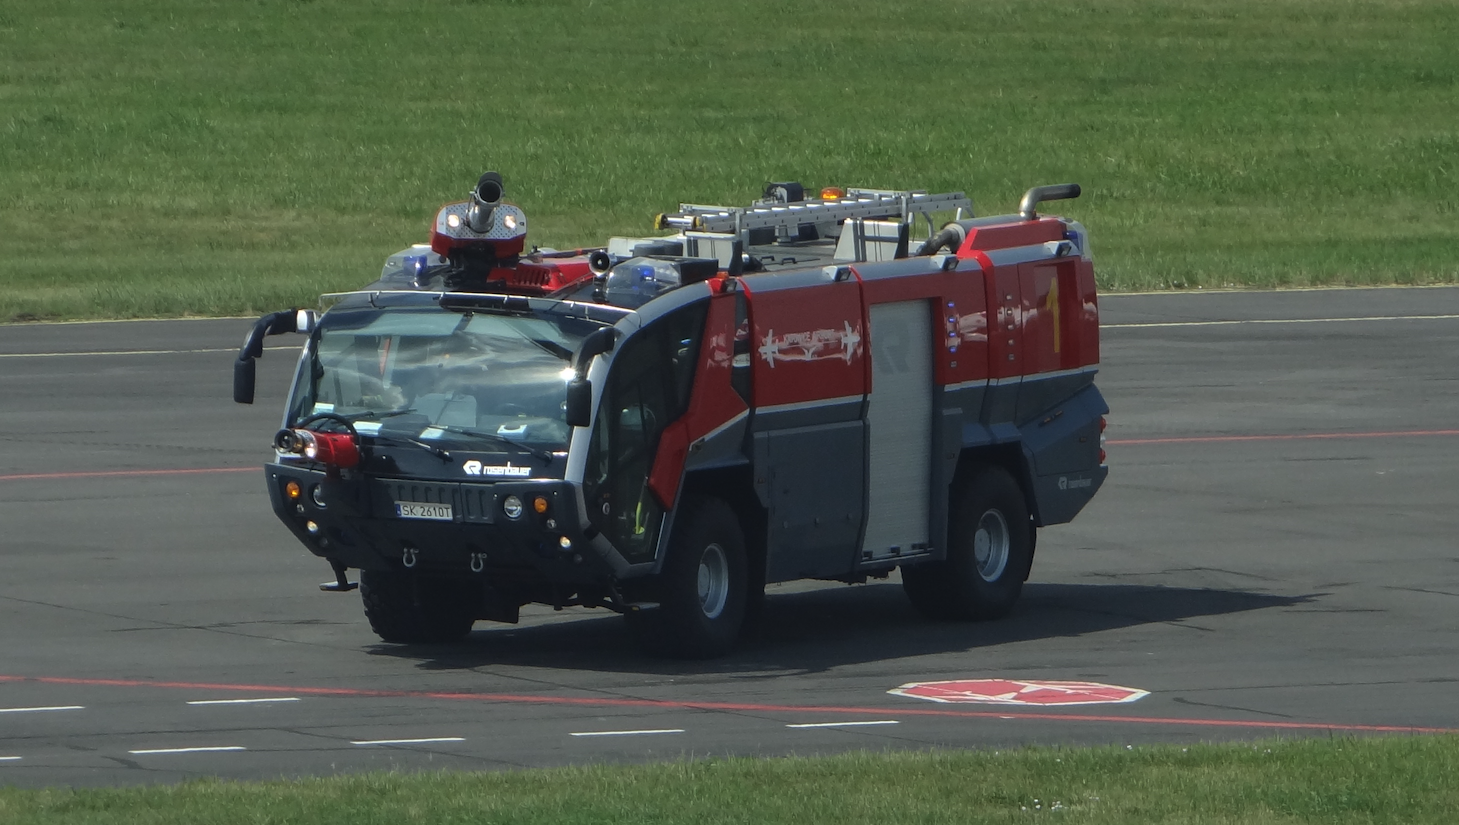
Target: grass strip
173,157
1375,780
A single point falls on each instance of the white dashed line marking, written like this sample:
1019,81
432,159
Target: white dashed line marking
243,701
39,710
845,724
189,750
626,732
9,759
410,741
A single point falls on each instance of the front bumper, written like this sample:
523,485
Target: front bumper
356,524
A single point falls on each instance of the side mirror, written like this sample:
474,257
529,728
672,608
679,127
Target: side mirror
244,371
597,343
274,323
579,402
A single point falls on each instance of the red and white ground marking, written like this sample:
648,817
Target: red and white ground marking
1019,692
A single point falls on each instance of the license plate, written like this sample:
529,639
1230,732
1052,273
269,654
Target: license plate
430,512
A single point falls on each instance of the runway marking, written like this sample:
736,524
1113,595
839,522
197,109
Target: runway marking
127,473
845,724
135,352
243,701
214,749
626,732
1208,439
410,741
661,704
1160,324
39,710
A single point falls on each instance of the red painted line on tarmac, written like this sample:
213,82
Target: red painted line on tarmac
128,473
593,701
1206,439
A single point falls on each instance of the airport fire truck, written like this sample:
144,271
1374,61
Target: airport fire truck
824,387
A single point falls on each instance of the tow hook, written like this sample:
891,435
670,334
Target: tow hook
478,562
408,556
341,583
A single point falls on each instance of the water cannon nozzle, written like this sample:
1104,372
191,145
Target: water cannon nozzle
485,198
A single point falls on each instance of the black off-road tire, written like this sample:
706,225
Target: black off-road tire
402,608
983,574
701,588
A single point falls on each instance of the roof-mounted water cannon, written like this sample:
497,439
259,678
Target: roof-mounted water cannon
484,228
485,198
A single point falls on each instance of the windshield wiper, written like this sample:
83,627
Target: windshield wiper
380,415
517,445
367,414
438,452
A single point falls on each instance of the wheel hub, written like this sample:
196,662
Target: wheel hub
991,545
713,581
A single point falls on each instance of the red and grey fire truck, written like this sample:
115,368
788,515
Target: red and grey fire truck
662,426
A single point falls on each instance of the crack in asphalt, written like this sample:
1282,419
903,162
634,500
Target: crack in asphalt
1181,700
1419,590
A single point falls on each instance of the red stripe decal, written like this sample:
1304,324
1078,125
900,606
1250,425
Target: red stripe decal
586,701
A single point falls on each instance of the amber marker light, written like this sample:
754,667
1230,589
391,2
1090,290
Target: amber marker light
832,192
293,491
539,504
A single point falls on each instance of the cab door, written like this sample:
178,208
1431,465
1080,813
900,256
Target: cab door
647,389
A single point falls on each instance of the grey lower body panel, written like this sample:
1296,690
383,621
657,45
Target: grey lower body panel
815,484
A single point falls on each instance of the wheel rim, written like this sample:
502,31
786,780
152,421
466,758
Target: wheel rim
713,583
990,545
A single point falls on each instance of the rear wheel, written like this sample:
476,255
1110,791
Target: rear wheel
990,548
701,590
406,608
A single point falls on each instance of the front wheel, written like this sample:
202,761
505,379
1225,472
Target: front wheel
402,607
990,548
701,589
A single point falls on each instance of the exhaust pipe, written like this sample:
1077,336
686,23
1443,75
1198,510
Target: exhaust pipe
1039,194
485,198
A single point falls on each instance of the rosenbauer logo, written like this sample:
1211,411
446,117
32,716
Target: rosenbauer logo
476,468
815,345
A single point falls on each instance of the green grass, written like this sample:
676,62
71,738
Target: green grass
1409,780
162,157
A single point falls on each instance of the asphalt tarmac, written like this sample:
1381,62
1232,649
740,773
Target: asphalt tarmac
1273,555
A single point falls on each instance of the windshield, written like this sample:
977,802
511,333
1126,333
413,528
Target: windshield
445,376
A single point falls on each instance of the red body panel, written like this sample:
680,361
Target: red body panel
712,401
1088,312
1060,323
1005,236
1005,321
960,317
807,344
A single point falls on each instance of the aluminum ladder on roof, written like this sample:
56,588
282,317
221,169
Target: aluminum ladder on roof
786,217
